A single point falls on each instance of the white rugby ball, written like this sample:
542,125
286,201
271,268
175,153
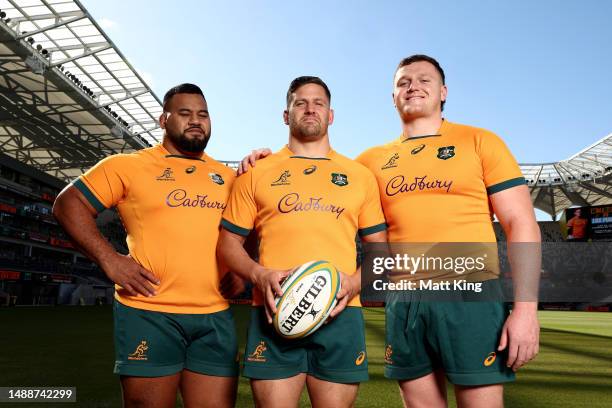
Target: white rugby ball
309,295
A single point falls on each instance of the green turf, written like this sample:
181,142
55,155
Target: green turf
72,346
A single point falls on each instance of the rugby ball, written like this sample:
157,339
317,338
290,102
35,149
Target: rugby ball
309,295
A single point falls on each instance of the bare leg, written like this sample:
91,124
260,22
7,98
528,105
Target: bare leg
485,396
208,391
325,394
146,392
283,393
425,392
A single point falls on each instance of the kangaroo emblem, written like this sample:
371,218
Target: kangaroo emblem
283,179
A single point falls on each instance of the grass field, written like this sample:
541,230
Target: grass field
72,346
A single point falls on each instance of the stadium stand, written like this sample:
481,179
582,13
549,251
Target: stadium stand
550,230
36,257
585,179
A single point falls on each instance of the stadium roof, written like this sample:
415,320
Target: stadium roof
582,180
68,97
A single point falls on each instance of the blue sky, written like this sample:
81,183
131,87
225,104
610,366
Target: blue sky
535,72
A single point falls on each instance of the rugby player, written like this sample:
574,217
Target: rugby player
461,175
306,202
442,182
173,329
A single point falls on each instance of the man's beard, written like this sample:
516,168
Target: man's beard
189,145
307,131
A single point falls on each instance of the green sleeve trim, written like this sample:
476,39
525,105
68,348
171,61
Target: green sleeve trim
373,229
99,207
234,228
504,185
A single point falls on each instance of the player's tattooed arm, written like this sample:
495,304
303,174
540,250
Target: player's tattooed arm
76,215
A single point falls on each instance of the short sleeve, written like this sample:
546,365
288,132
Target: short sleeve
239,215
500,169
366,158
105,184
371,218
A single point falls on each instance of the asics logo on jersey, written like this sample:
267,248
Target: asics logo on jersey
391,162
282,180
446,152
291,203
179,198
166,175
399,184
310,170
417,149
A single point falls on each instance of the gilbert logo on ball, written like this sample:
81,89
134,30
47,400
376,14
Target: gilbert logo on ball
309,295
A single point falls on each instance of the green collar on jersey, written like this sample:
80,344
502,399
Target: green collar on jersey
310,158
420,137
179,156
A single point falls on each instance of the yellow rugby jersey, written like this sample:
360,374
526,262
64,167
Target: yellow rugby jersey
435,188
305,209
171,207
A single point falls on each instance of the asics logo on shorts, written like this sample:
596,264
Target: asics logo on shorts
490,359
360,358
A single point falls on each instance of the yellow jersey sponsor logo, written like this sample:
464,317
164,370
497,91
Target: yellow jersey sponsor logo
490,359
388,353
257,354
399,184
181,198
140,353
293,203
360,358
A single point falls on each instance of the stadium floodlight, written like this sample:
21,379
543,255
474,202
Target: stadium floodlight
117,132
35,64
